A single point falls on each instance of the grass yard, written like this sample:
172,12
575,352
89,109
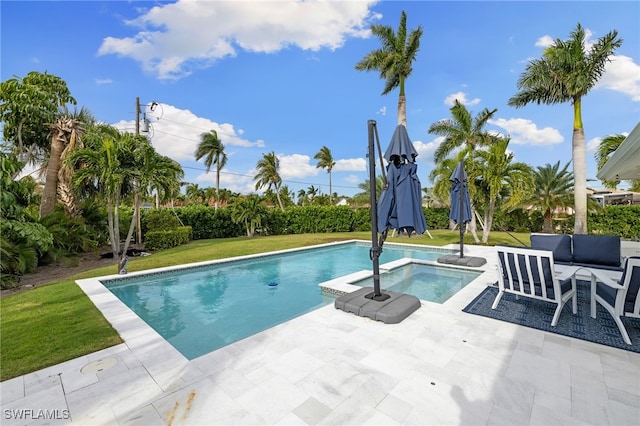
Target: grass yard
58,322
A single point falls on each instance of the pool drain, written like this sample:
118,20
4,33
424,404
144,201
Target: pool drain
98,366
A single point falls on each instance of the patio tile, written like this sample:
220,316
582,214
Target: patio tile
311,411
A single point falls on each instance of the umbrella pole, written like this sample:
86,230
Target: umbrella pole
375,251
461,221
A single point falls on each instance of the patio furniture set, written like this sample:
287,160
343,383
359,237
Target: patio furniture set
549,269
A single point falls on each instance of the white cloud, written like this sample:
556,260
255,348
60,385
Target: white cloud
101,81
353,179
175,38
526,132
462,98
176,132
593,144
427,149
382,111
622,75
296,166
544,41
350,165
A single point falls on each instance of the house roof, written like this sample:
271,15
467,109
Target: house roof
624,164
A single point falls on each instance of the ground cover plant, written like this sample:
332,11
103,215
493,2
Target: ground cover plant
57,322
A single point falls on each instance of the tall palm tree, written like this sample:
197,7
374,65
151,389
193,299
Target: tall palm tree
269,175
194,193
394,59
325,161
566,73
553,190
212,149
302,197
466,132
502,179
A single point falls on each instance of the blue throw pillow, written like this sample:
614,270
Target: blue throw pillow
596,249
560,245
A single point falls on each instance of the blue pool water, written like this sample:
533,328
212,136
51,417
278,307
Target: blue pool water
204,308
426,282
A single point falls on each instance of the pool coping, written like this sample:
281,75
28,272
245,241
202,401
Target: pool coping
165,364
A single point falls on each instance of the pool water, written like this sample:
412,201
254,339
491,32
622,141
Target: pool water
426,282
203,308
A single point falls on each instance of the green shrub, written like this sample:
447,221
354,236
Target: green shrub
161,220
158,240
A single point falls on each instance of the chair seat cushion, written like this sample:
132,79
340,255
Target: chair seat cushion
560,245
592,265
596,249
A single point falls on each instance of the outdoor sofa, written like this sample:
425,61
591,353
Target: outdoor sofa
591,251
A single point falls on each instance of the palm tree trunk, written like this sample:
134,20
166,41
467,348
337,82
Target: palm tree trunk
547,224
402,110
48,203
112,235
215,206
279,199
488,221
330,188
580,181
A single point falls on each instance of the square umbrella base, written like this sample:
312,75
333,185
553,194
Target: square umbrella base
455,259
392,310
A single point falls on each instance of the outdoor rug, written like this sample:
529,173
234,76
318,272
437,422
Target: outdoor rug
538,314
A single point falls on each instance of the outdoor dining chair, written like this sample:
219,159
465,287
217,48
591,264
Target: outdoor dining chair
531,273
619,298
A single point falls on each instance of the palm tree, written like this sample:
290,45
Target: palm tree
249,211
565,73
302,197
501,179
608,146
393,60
66,132
194,193
463,130
212,149
107,163
553,190
325,161
269,174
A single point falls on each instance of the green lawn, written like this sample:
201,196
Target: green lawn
58,322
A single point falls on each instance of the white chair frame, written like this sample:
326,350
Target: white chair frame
617,310
514,283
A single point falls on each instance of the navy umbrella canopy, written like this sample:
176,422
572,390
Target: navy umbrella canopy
400,205
460,201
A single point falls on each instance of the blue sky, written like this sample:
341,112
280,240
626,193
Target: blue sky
279,76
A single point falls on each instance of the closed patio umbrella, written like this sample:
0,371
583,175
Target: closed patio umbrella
400,204
460,202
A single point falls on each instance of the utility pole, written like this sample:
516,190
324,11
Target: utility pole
137,116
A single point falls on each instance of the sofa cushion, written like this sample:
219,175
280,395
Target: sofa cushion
560,245
596,249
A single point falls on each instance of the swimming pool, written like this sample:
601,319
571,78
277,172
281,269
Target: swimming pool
202,308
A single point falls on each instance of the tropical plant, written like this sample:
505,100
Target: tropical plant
501,180
194,193
248,211
302,197
566,72
66,135
110,163
607,147
325,161
268,175
553,190
27,105
394,59
212,149
466,132
364,197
